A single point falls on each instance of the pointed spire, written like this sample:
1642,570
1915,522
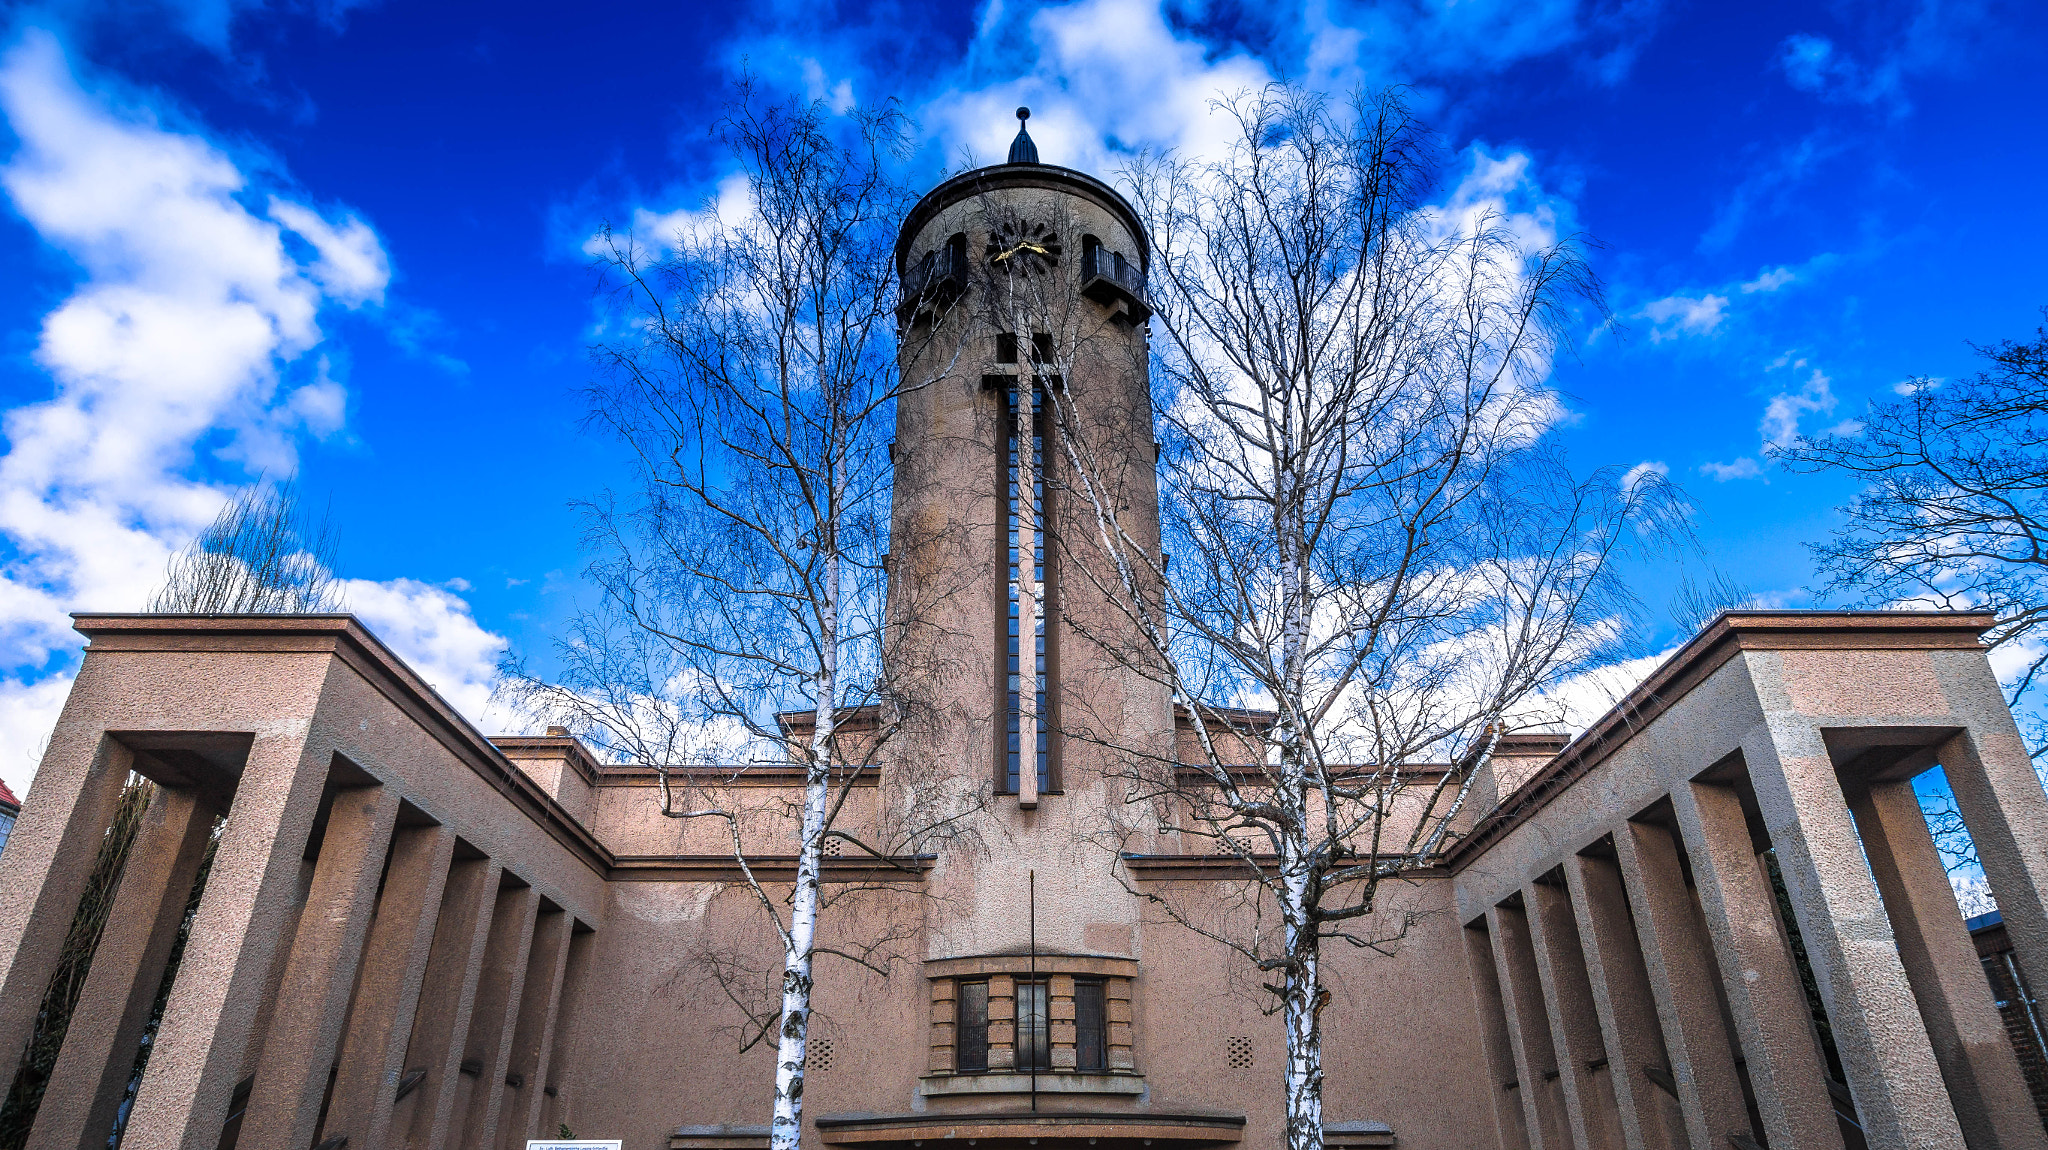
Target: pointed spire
1022,149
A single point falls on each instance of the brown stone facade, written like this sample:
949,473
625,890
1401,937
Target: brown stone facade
1713,919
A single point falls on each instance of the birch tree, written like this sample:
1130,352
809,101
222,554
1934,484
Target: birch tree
258,556
1378,562
748,367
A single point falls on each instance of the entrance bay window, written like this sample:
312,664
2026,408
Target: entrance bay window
996,1018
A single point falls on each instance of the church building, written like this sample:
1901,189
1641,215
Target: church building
1714,919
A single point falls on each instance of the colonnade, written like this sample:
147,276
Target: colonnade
1646,989
380,952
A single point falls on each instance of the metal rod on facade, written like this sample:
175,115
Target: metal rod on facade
1032,878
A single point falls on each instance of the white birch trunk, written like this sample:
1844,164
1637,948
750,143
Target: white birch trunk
785,1130
1302,982
1304,1032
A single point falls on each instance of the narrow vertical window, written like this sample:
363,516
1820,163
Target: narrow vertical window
1034,1045
1091,1047
1028,594
970,1037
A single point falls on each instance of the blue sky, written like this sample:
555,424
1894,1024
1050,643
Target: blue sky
346,240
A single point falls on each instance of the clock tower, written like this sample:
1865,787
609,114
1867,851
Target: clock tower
1023,338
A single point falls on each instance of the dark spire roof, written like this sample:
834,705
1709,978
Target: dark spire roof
1022,149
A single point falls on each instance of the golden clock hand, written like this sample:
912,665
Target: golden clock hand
1023,246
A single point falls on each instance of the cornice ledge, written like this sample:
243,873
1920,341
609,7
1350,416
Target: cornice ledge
766,868
1730,633
345,637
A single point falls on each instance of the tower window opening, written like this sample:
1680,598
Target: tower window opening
1028,593
1006,347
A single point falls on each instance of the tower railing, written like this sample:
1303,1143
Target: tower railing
934,280
1108,278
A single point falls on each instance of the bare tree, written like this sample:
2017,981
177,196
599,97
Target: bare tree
1379,564
258,556
1697,602
1951,514
749,369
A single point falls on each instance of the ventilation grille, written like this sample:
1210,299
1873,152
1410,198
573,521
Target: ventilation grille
1238,1049
1236,846
818,1054
834,846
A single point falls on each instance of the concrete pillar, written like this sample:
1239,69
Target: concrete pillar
203,1042
1976,1058
489,1046
531,1035
1620,986
395,959
1574,1023
2001,802
43,872
1679,962
1528,1028
1885,1050
1493,1038
447,1000
1772,1017
312,999
105,1032
555,1071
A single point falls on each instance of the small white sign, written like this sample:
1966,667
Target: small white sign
573,1144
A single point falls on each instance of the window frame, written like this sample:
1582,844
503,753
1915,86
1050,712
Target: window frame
963,1027
1096,992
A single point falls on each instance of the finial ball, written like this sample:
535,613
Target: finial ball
1023,113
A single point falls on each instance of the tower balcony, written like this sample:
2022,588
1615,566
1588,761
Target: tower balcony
1110,280
934,281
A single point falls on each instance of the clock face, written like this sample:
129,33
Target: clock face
1025,246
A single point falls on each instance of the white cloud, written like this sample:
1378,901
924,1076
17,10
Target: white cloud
1107,76
1579,701
190,328
1678,315
1770,281
1814,64
432,629
1703,313
1782,418
1642,471
28,713
1743,468
817,86
1782,415
352,266
731,205
190,307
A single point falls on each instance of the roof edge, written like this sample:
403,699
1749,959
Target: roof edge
351,637
1729,633
995,176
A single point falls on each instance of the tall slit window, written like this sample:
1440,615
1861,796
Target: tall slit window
1034,1037
1091,1047
971,1042
1025,539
